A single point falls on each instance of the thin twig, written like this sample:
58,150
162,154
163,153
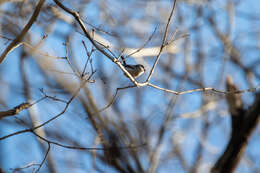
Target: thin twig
66,146
139,49
163,42
89,55
213,90
114,97
25,167
45,156
68,60
52,97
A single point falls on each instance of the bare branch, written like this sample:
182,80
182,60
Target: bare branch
163,43
114,97
16,110
53,118
46,154
20,37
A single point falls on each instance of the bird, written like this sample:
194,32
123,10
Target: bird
134,70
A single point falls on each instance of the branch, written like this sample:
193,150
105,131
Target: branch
163,42
15,110
20,37
208,89
46,154
239,140
114,97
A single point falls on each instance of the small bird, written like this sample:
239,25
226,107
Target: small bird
134,70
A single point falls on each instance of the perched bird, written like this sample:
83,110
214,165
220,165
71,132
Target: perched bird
134,70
